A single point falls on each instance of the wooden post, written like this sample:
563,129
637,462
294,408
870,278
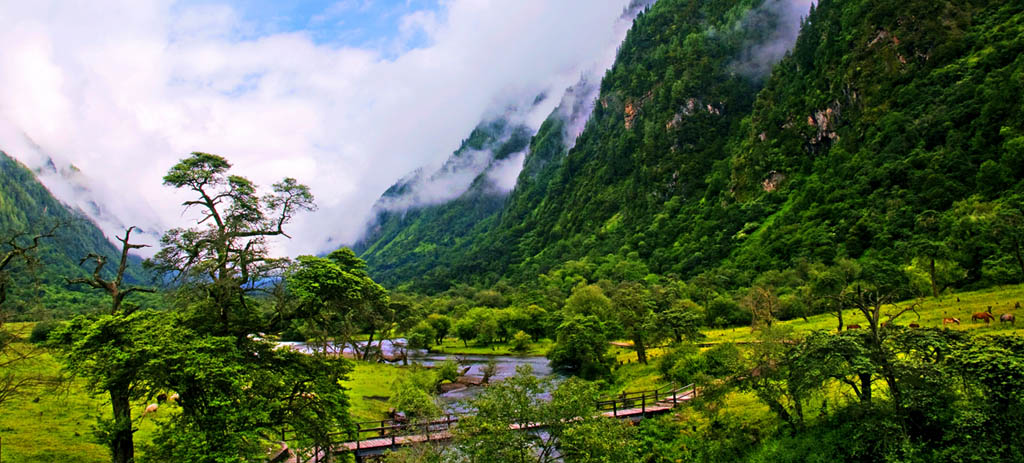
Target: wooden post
643,403
615,408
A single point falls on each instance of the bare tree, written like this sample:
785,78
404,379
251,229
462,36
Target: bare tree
115,288
17,247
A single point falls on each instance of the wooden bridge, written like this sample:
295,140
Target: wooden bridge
376,437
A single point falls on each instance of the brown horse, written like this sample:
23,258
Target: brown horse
914,325
983,316
1007,317
946,321
852,327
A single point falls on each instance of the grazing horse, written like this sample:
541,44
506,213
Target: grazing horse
914,325
1007,317
983,316
946,321
852,327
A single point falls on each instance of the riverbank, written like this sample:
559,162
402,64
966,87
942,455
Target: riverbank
452,346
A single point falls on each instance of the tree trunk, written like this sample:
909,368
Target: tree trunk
839,315
931,272
121,445
1020,258
641,350
865,387
366,350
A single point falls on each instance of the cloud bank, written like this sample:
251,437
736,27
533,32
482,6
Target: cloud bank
123,90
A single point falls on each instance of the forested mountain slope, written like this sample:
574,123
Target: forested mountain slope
28,208
892,131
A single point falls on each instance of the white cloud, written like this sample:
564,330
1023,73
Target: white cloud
504,174
125,89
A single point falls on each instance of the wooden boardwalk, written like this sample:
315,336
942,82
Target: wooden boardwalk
633,406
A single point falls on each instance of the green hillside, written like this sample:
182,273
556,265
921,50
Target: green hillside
27,207
890,133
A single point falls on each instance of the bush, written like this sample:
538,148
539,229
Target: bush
411,395
521,341
686,364
447,370
41,332
421,336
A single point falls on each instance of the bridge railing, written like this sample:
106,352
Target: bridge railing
642,399
393,433
392,430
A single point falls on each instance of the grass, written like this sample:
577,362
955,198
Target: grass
371,380
629,375
931,311
58,426
454,346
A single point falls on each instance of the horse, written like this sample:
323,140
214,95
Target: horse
946,321
1007,317
983,316
914,325
852,327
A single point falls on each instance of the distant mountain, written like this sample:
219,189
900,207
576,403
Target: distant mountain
26,206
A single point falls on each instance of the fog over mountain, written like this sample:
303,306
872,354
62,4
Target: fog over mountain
123,91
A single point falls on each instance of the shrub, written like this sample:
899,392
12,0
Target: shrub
41,332
521,341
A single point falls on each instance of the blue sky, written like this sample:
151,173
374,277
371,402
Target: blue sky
370,24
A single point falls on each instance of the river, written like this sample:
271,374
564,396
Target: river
506,365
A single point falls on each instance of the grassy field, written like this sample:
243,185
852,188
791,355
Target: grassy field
931,311
629,375
369,380
58,426
453,346
46,425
